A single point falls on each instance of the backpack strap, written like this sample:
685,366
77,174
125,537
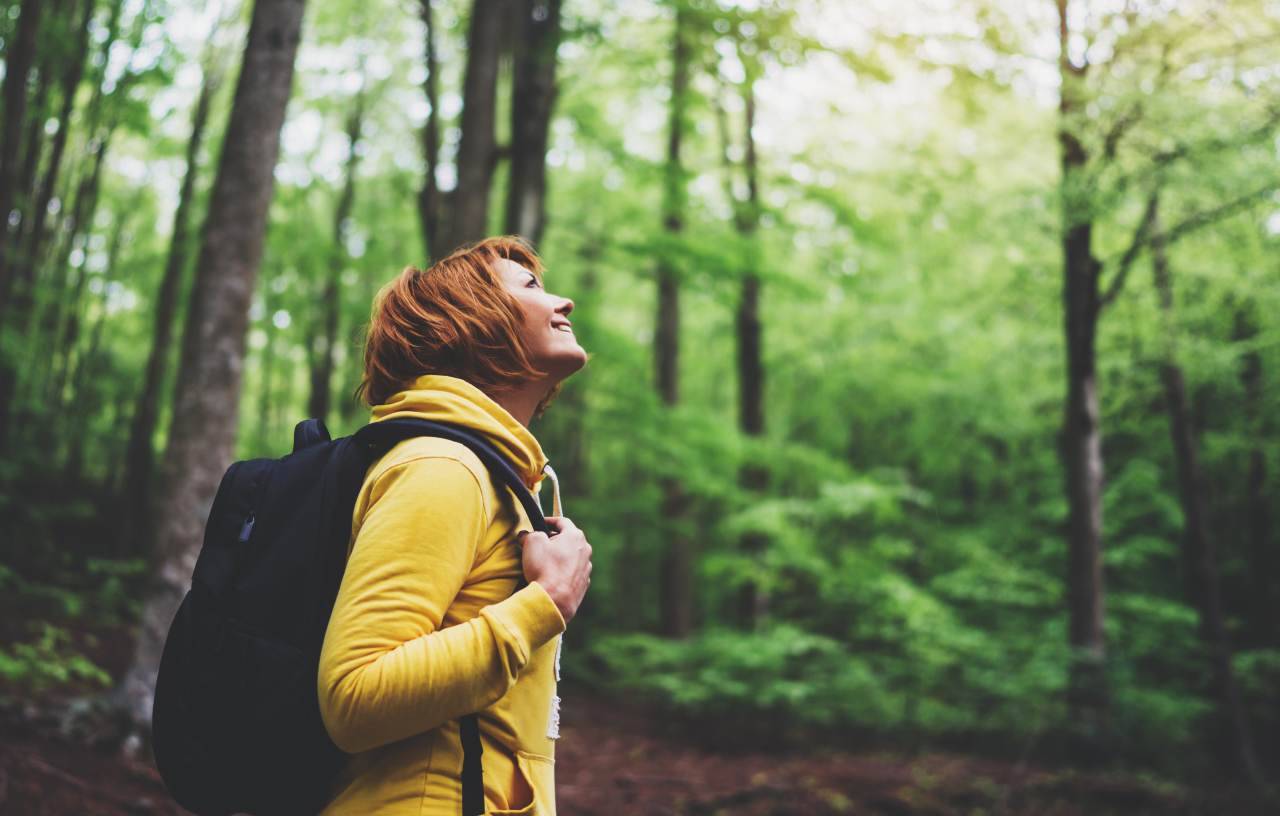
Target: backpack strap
378,437
390,431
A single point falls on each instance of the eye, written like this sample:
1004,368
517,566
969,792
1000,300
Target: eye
533,282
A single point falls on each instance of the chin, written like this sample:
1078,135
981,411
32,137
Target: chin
568,364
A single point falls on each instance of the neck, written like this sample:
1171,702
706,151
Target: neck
521,402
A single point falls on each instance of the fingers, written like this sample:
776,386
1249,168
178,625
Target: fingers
561,524
524,535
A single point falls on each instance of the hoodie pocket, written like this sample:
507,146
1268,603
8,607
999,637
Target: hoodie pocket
540,771
508,789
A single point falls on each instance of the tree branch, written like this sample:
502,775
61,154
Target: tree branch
1142,237
1111,142
1205,218
1159,159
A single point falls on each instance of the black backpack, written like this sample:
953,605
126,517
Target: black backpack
236,721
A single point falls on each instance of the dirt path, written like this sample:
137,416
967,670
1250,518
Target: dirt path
613,762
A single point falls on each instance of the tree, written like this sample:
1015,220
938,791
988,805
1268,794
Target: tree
533,98
429,195
203,432
140,454
18,60
1093,150
467,211
1081,431
1200,553
678,559
72,73
326,333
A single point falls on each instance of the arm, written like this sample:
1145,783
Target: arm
387,669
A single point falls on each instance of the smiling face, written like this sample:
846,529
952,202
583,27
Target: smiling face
546,331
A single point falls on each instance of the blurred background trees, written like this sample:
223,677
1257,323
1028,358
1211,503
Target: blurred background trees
932,395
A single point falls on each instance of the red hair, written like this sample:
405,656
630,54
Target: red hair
455,318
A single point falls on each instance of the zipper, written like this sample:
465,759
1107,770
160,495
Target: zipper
246,529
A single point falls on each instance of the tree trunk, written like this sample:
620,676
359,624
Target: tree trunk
267,365
67,310
753,602
576,453
17,66
533,98
468,203
1200,557
429,196
330,302
57,323
18,59
32,147
678,559
140,451
70,83
202,434
1257,529
81,407
1081,432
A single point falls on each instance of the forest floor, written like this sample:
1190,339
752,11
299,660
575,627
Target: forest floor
615,761
616,757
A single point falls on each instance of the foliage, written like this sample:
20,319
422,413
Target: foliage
51,660
909,250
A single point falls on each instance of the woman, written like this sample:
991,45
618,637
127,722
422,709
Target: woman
432,621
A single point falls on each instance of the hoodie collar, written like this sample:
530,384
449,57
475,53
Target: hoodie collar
449,399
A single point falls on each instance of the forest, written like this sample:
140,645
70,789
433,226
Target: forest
930,439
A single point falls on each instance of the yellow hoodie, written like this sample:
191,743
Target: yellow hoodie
428,624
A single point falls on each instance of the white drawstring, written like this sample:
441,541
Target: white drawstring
555,489
553,717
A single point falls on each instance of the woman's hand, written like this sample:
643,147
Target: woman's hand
561,563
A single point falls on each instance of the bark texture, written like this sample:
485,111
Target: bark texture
429,196
202,436
532,102
678,560
1081,432
468,204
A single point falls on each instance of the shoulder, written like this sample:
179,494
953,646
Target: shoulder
432,459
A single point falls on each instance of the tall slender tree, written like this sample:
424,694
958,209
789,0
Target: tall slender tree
1257,528
202,435
429,203
18,61
533,99
1090,150
73,72
1200,552
753,599
79,407
678,558
466,214
1081,431
326,333
50,49
140,451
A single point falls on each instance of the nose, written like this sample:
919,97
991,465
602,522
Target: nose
565,306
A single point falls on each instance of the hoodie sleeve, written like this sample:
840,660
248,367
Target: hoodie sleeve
387,669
